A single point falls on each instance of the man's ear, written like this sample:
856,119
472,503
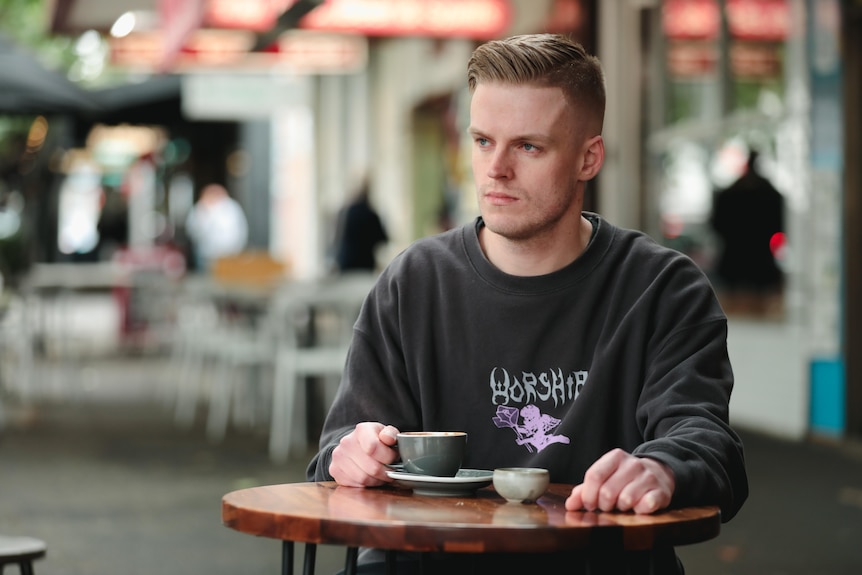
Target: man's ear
594,157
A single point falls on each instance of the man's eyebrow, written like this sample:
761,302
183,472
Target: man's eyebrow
524,137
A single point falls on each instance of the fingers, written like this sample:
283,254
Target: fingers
655,488
361,456
595,491
624,482
575,501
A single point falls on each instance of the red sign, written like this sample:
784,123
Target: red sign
758,20
300,51
255,15
747,59
480,19
746,19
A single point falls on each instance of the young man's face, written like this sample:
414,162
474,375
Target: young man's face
527,158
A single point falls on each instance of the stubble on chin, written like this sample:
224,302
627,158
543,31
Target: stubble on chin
509,226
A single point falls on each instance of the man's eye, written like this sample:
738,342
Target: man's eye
530,147
482,141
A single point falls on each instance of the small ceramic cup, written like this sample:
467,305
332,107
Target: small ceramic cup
521,484
437,453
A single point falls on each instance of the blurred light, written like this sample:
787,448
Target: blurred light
238,163
133,21
92,52
777,243
36,135
89,43
177,151
10,223
672,226
124,25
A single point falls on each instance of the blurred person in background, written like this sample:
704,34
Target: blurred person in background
216,226
540,311
359,232
748,217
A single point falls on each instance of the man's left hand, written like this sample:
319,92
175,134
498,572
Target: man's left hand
621,481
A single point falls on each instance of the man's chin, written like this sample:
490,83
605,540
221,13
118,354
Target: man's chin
505,228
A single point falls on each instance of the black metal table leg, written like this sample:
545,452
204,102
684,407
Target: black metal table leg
287,558
350,560
390,562
310,555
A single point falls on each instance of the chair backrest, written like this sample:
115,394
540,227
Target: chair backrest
252,268
337,299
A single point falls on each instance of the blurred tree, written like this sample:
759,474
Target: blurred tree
25,23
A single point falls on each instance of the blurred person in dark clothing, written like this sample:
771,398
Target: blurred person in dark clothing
747,215
359,232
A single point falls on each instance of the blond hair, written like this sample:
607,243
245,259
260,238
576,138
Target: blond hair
547,60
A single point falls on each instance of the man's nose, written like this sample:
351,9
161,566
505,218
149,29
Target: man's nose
500,165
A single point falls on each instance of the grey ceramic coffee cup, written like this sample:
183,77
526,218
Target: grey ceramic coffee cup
437,453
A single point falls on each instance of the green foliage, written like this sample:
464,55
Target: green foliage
25,22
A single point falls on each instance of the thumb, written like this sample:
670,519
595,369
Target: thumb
389,435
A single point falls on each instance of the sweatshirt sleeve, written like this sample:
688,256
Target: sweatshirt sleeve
374,384
683,410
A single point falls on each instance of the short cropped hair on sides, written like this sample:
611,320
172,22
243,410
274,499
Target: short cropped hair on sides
547,60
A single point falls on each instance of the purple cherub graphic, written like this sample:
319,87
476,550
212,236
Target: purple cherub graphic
535,429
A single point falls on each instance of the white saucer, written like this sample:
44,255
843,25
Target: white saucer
465,482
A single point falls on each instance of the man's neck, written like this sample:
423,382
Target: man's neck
537,256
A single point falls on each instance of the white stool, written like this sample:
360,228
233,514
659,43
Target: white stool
21,551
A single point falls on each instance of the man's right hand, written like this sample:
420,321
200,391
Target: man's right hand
362,456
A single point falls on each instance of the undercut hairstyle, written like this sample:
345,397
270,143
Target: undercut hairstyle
544,60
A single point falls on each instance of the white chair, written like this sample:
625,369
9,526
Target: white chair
196,330
323,356
16,348
209,334
217,346
304,332
241,356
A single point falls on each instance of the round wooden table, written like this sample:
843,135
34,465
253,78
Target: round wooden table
396,519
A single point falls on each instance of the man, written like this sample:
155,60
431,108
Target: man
216,225
359,233
748,217
538,311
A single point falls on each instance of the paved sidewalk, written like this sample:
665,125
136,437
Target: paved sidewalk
114,487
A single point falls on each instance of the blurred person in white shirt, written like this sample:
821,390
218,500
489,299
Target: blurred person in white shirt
216,225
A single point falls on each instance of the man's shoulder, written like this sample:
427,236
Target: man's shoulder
430,254
433,244
615,235
637,250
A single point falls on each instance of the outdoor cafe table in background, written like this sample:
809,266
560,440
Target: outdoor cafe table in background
395,519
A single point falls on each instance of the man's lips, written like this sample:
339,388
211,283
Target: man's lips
499,198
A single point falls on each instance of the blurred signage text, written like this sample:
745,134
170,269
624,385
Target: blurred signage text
746,19
747,59
479,19
298,51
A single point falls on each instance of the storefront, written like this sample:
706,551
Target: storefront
727,77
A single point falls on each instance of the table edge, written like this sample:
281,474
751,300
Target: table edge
537,538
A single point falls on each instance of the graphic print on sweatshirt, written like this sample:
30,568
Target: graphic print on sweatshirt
518,399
